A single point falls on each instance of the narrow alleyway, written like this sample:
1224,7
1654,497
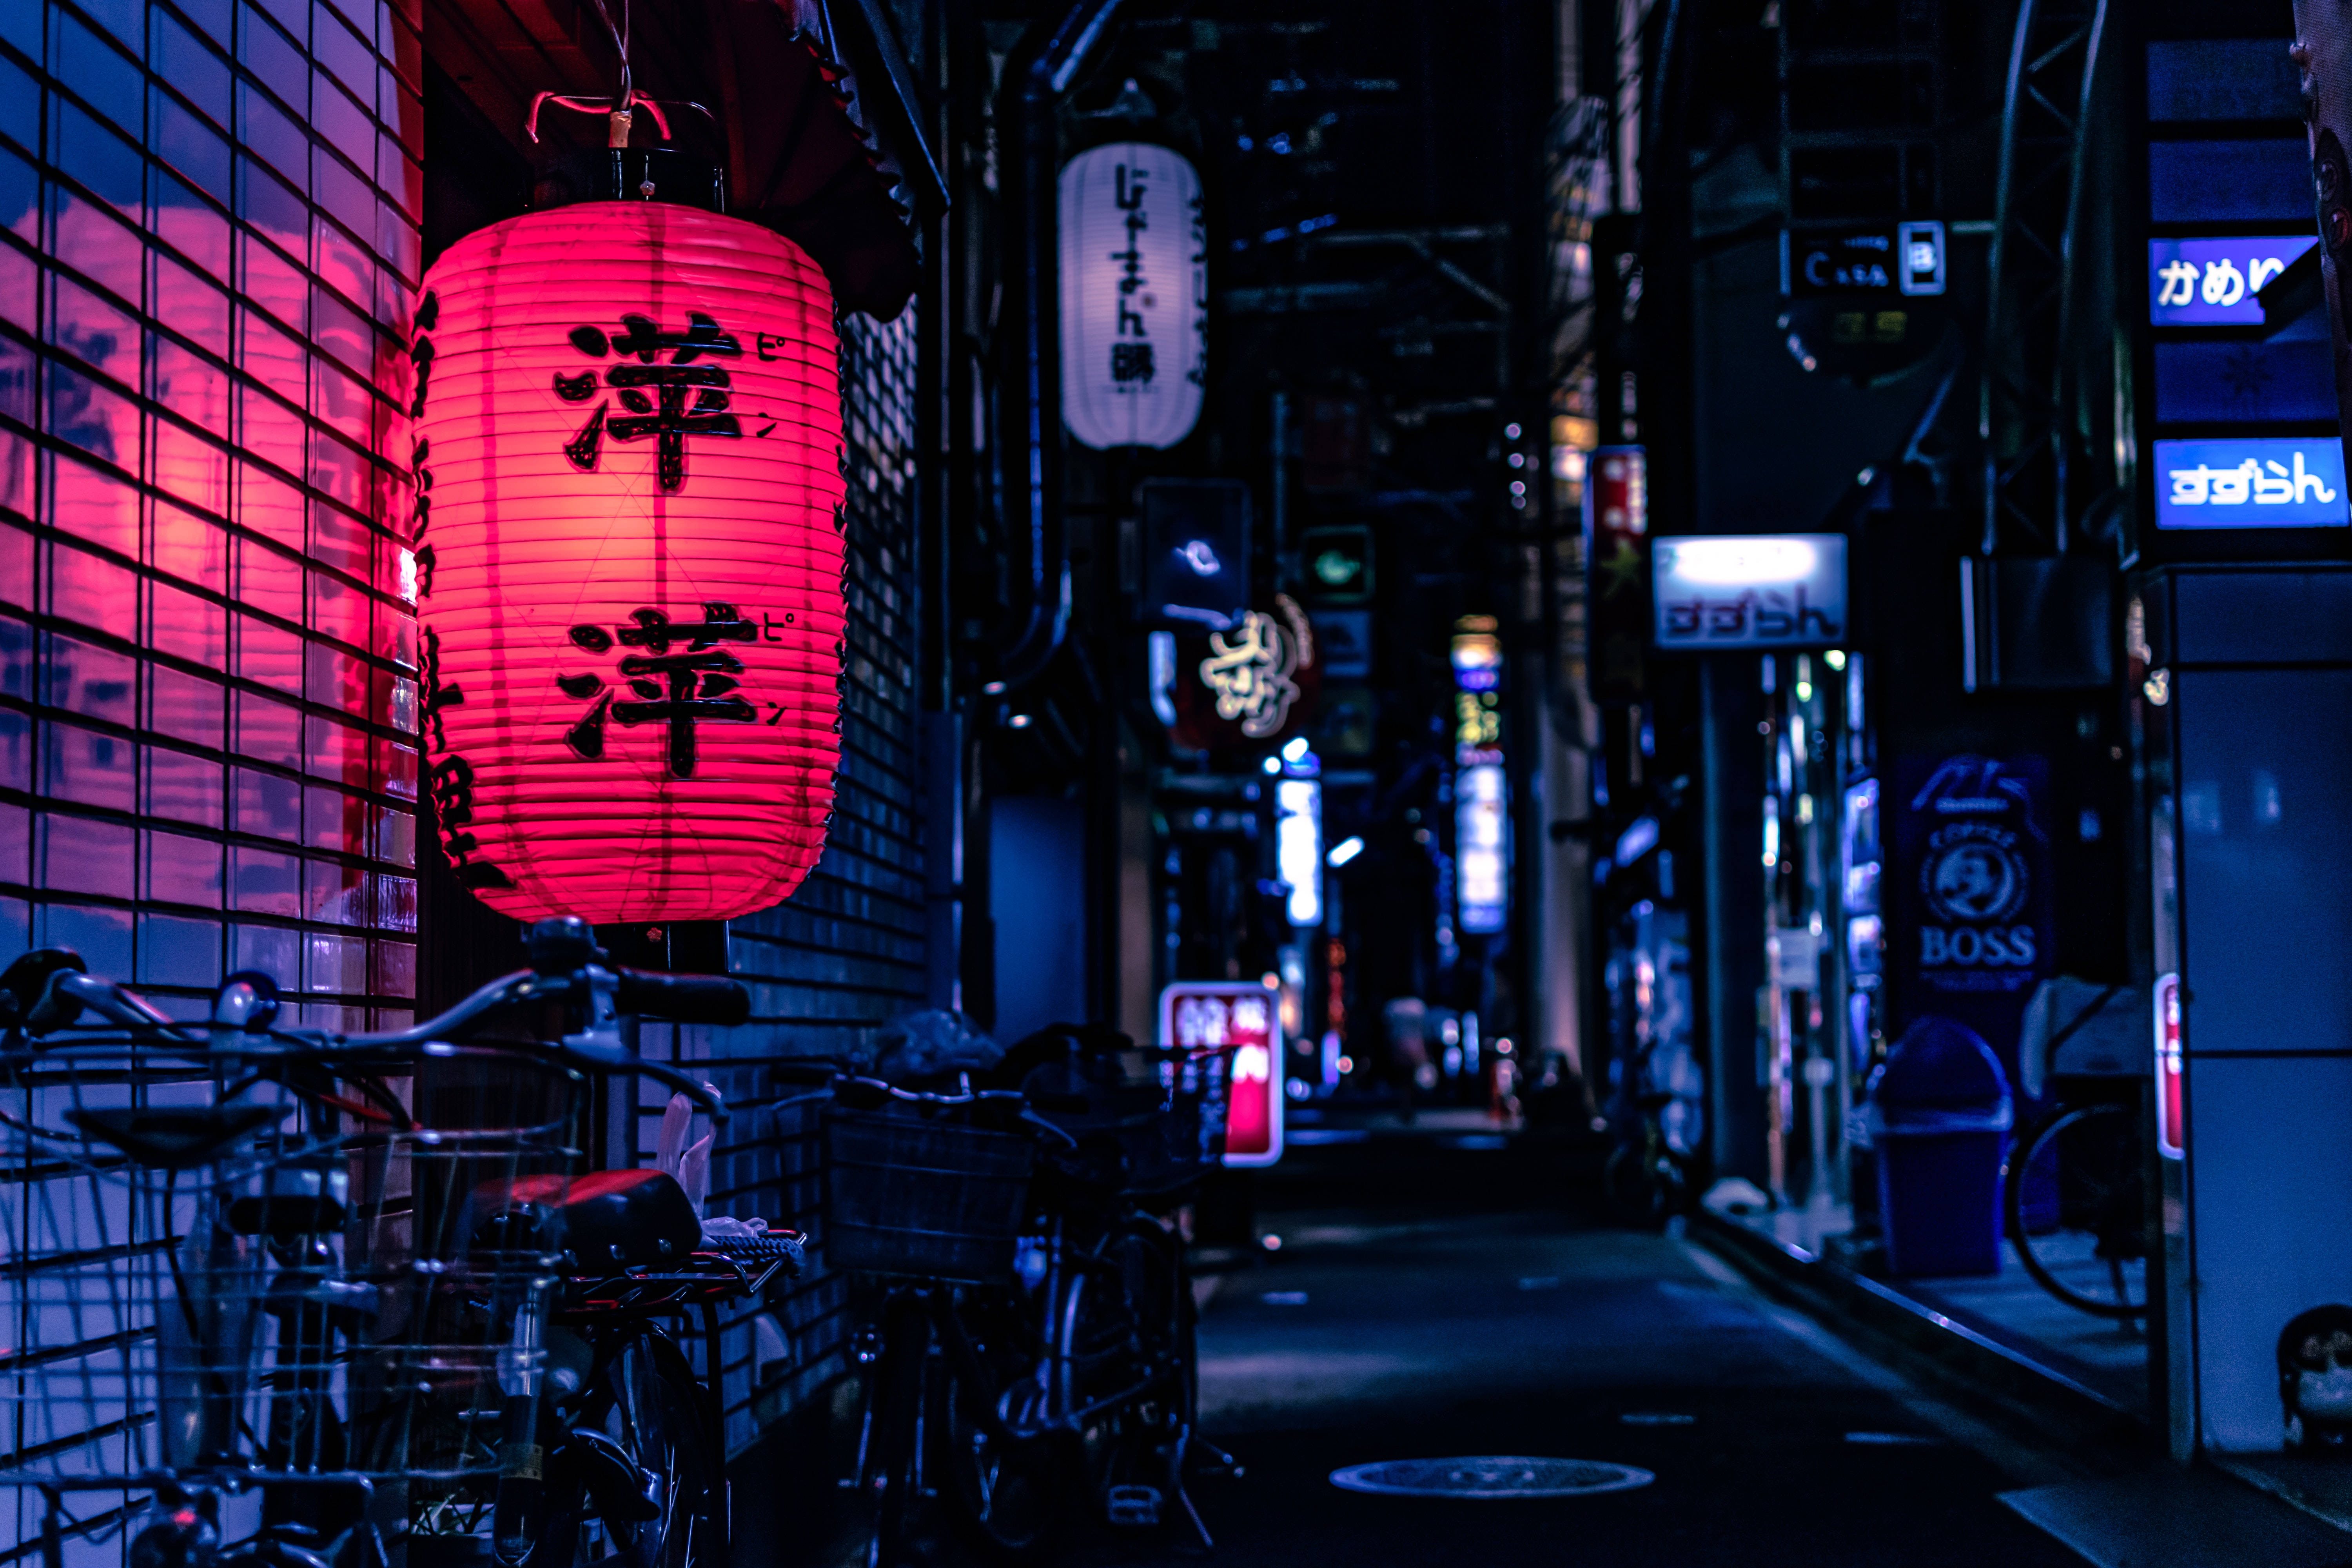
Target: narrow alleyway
1425,1303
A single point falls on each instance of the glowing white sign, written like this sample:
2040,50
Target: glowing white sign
1135,300
1750,591
1298,849
1482,847
2257,482
2213,282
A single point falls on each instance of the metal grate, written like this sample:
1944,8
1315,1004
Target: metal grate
1490,1476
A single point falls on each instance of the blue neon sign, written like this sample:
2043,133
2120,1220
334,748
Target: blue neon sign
2266,482
2212,282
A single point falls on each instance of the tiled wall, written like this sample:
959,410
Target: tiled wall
846,953
206,702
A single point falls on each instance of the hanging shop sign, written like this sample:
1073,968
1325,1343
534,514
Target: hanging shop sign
1864,302
1298,847
1970,910
626,451
1482,843
1239,1016
1344,641
2171,1102
1338,564
1903,262
2265,481
1717,592
1482,848
2215,282
1196,544
1135,296
1254,684
1617,568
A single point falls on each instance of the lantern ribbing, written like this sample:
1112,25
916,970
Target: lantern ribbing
628,438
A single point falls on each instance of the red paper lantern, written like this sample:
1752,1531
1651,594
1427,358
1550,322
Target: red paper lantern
627,533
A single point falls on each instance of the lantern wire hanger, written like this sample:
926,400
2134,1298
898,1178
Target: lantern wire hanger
622,106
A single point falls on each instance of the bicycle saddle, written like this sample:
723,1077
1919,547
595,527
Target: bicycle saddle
625,1219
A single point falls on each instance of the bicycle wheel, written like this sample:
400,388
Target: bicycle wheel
891,1479
1007,1487
651,1406
1130,1380
2089,1249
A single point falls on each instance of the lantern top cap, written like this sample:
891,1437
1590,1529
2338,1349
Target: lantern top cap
628,174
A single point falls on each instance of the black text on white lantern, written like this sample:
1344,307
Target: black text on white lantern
1135,296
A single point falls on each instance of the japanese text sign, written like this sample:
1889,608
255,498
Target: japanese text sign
1213,1014
2213,282
1750,591
2254,482
1135,296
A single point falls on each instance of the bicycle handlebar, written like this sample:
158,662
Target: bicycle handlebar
834,1074
682,998
685,998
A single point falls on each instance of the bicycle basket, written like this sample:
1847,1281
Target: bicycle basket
1154,1121
912,1194
241,1264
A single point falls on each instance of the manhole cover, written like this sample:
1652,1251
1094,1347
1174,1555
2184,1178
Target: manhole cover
1490,1476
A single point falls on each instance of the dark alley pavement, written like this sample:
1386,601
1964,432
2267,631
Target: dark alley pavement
1432,1301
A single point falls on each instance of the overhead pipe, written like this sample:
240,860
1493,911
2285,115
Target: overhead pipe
1042,68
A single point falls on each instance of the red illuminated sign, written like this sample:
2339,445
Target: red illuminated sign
1196,1015
1617,571
2171,1105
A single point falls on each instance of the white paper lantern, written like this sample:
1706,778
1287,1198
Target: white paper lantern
1135,296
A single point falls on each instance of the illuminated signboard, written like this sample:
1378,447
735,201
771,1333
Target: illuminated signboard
1135,296
2269,481
623,510
2213,282
2171,1111
1477,654
1749,591
1211,1015
1907,260
1482,847
1298,847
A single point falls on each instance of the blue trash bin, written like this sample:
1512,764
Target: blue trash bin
1939,1115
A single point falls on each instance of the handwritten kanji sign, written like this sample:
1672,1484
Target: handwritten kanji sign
625,472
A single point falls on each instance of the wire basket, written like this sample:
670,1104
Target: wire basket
253,1266
1154,1121
908,1193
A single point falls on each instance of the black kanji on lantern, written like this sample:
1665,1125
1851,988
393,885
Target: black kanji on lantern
1131,361
682,689
656,397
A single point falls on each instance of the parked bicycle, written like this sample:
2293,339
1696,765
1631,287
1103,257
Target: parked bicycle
325,1296
1033,1340
2074,1193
